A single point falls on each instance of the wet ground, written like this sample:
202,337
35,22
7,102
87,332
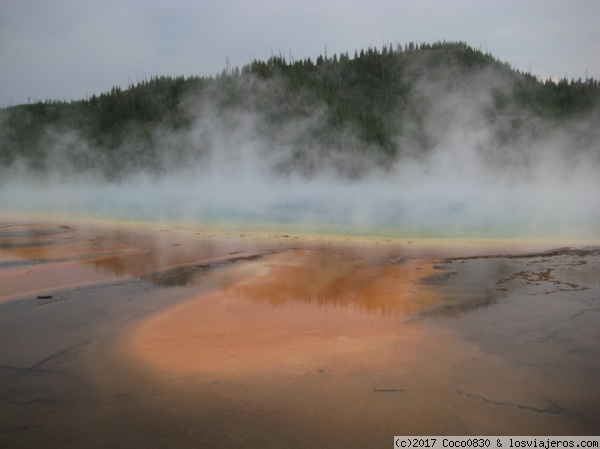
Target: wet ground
115,335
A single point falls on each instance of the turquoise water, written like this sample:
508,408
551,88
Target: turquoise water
337,209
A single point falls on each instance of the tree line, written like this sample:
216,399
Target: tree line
370,95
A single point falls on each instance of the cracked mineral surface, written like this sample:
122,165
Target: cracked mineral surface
122,335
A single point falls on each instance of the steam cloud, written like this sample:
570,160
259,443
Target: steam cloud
238,165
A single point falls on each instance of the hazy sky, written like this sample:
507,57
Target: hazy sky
71,49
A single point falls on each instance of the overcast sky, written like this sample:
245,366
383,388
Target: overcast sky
71,49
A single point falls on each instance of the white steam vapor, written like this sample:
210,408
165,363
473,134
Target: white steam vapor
463,183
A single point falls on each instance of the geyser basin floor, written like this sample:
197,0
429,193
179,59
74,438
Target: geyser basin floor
170,338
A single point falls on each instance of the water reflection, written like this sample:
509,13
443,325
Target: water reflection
269,346
46,243
385,280
115,252
31,230
341,279
47,258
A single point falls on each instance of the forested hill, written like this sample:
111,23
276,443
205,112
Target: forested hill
388,103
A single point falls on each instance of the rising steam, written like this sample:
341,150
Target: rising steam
460,169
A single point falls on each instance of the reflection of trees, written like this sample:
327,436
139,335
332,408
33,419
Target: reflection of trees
123,264
144,255
117,252
120,253
331,279
22,239
43,243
